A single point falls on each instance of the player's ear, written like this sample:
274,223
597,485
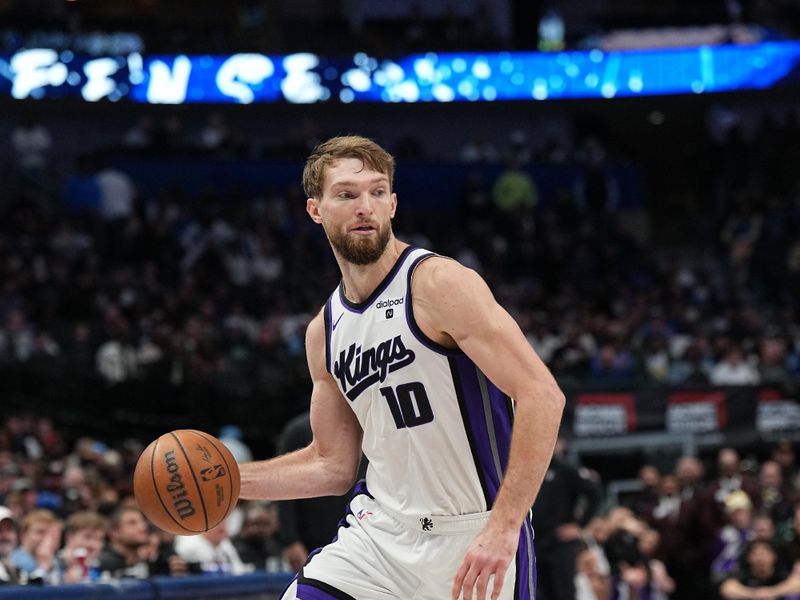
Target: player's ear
394,205
312,208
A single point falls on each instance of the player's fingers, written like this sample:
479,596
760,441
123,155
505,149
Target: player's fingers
482,584
459,579
469,582
499,579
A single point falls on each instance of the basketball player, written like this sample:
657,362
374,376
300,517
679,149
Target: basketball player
414,363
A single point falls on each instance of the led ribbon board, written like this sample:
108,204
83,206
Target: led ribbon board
433,77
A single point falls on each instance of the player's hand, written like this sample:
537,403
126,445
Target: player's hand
489,555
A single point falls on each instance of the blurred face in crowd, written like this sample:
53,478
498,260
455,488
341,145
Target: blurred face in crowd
131,532
670,486
599,529
741,518
650,476
218,534
784,455
356,209
8,537
91,539
762,560
618,516
35,533
648,542
728,462
771,476
689,470
763,528
260,523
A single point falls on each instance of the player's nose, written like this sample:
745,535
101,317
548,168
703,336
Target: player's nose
364,204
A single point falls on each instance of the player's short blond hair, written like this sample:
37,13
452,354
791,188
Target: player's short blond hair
364,149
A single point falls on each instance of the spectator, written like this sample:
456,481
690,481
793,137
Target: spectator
612,365
558,522
733,369
8,543
733,536
40,537
257,542
783,453
212,551
515,191
123,556
231,436
84,536
662,585
760,575
591,581
713,505
305,524
647,497
777,499
690,473
161,556
32,144
117,195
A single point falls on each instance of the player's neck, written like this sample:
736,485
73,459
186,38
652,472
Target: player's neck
361,280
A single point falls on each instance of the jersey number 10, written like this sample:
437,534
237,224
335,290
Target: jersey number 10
409,404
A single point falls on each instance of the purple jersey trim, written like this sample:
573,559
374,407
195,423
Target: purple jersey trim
412,322
487,421
328,332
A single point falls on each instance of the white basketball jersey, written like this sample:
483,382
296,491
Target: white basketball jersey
437,432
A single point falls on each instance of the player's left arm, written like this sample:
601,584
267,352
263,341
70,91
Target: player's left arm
456,305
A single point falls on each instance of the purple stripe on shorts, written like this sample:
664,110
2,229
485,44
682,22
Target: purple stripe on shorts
526,564
306,592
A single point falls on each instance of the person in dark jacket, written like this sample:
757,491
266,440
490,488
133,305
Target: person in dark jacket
567,501
308,523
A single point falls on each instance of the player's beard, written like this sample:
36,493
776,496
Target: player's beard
361,250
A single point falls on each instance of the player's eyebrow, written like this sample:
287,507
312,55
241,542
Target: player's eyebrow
347,182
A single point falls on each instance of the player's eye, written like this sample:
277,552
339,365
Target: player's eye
379,192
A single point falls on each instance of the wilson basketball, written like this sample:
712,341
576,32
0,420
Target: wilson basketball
186,482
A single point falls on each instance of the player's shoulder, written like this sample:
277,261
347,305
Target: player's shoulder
315,332
442,275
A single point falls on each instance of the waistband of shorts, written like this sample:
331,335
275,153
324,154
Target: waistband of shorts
441,524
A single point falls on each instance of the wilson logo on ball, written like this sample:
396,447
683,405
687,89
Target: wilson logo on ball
183,506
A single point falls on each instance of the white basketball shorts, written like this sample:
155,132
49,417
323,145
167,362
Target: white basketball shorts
379,555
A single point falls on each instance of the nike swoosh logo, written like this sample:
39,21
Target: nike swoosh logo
337,321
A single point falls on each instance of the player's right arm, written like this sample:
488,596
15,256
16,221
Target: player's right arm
329,464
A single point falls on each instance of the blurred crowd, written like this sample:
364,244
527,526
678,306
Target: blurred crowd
697,530
727,528
173,288
67,515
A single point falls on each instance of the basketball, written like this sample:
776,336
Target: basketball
186,482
